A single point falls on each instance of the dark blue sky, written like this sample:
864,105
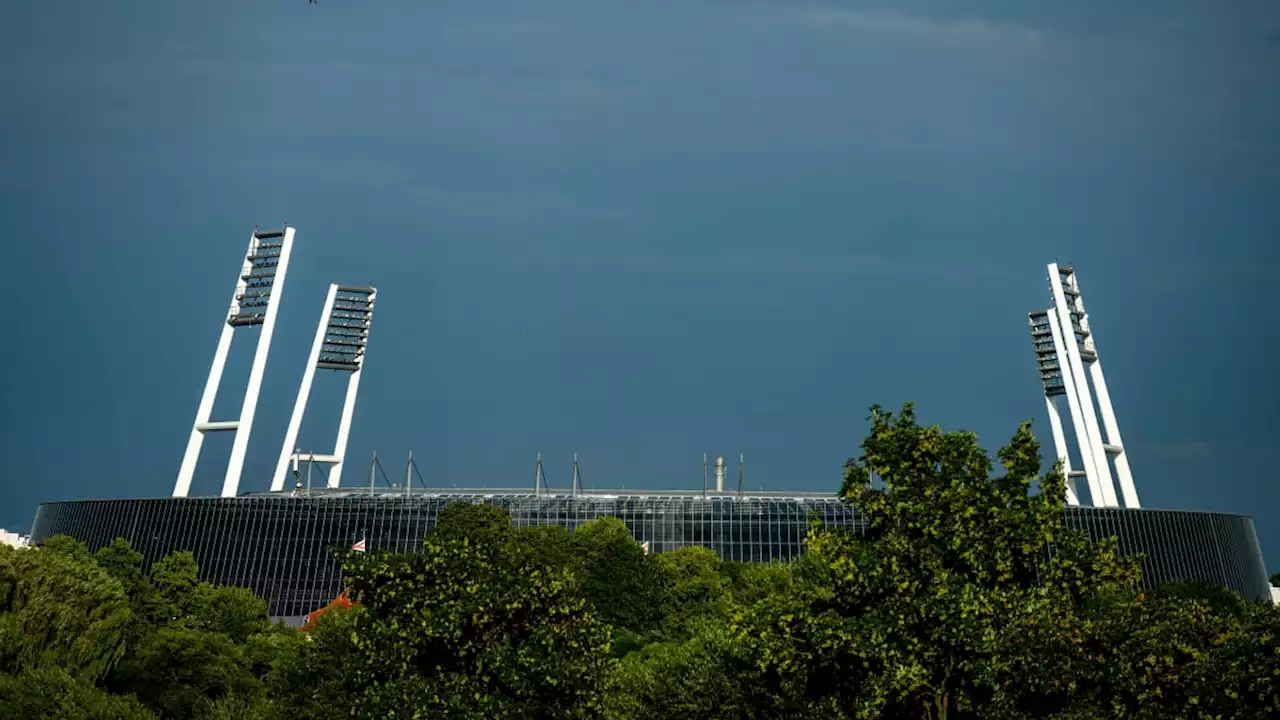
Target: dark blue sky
639,231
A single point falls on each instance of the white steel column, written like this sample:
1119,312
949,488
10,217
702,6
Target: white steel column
1098,454
1112,446
1077,412
344,428
304,392
1125,478
231,484
1060,446
188,470
256,301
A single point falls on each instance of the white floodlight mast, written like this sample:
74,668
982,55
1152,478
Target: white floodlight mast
1076,409
1051,360
1069,321
256,301
304,391
1086,355
340,342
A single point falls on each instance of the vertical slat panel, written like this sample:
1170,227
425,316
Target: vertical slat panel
276,545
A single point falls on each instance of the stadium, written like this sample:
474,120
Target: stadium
277,543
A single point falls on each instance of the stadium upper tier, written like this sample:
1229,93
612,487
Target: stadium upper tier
277,543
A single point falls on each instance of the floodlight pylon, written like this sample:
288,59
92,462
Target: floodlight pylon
1068,363
256,301
340,343
1069,324
1081,348
1051,360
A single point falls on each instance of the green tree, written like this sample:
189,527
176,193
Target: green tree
66,545
235,707
52,693
694,577
1173,655
263,650
58,608
1239,676
175,670
752,582
698,590
700,678
928,616
200,643
233,611
69,619
621,582
1219,599
175,577
314,674
475,522
124,564
804,659
467,630
550,545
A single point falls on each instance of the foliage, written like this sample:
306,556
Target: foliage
107,636
51,692
478,523
694,576
124,564
691,679
1165,655
966,597
549,545
175,578
174,669
924,618
1219,599
620,581
233,611
314,676
473,630
750,583
236,707
59,609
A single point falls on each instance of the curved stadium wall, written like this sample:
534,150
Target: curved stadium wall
277,545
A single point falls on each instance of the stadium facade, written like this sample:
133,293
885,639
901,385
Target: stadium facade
277,543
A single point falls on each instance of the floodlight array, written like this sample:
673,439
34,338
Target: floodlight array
346,333
255,302
1079,318
257,279
1041,327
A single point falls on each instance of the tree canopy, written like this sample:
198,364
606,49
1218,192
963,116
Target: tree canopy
966,597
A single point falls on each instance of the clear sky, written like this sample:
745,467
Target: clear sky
639,231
